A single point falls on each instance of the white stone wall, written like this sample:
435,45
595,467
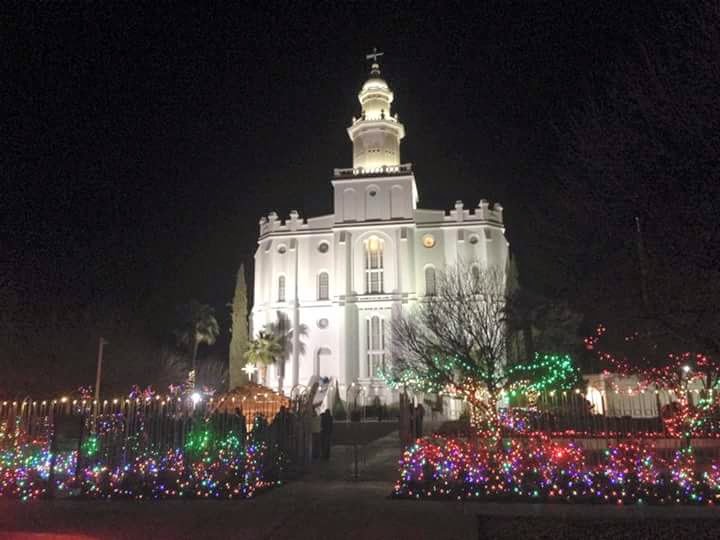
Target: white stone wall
337,333
375,198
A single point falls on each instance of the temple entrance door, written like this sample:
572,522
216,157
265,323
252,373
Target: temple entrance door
323,363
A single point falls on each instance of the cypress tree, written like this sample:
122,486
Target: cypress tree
239,339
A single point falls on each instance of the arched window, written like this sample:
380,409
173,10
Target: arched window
281,289
430,281
373,265
323,291
375,345
323,364
476,279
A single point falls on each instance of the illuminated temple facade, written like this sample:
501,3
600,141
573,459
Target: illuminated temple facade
343,274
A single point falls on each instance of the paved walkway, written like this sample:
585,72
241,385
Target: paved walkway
376,461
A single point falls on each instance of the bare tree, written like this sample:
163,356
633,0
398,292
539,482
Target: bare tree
455,341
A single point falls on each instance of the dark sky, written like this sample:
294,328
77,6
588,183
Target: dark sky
143,141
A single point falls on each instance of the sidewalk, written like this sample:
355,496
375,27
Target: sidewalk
322,510
318,510
376,461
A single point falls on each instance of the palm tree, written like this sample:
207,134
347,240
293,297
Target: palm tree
197,325
284,332
263,351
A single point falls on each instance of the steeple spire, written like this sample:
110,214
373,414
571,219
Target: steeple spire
375,67
377,133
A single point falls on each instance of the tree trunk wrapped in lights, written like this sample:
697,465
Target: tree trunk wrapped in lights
454,343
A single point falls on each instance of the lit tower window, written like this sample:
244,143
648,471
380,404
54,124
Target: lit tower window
430,281
323,286
475,278
281,289
373,265
375,345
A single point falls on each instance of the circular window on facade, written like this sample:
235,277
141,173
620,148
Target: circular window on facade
282,250
428,240
474,239
372,192
323,247
322,323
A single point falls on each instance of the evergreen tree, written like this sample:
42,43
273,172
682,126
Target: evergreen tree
536,323
239,339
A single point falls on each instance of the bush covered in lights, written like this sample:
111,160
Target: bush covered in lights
540,469
25,470
230,466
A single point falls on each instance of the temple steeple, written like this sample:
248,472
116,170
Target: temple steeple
376,134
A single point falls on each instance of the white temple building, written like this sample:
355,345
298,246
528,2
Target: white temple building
343,274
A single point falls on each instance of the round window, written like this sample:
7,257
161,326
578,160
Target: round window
428,240
474,239
323,247
372,193
282,250
322,323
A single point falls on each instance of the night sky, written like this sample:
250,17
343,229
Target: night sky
143,142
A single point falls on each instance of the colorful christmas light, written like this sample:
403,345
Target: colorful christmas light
231,466
674,373
547,372
540,469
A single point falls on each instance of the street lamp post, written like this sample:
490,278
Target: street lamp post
101,344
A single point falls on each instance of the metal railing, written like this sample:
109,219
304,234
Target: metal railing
405,168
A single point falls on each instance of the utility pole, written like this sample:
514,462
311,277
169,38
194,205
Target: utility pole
101,344
645,296
643,265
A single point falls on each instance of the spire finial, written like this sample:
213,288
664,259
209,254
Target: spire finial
375,67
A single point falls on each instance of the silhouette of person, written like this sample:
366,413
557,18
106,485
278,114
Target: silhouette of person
419,414
326,427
